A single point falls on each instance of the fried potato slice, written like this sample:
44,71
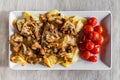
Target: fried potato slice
55,14
79,25
69,40
18,59
79,22
50,61
74,19
74,56
27,16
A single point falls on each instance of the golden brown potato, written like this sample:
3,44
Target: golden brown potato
50,61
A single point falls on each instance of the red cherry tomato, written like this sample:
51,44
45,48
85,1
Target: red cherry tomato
89,45
97,46
94,36
82,46
98,29
88,28
96,50
93,58
86,55
100,41
93,21
85,38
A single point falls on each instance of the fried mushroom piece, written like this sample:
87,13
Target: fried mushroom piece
42,51
58,21
27,50
30,52
37,31
43,17
68,28
69,48
17,37
37,35
17,48
50,33
33,59
36,45
13,43
26,30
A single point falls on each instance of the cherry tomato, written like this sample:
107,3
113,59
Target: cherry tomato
93,58
98,29
96,50
97,46
94,36
88,28
100,41
85,38
93,21
82,46
89,45
86,55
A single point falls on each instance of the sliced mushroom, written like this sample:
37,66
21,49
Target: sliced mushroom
59,21
17,48
69,48
17,38
26,30
43,17
24,49
20,23
36,45
13,43
68,28
42,51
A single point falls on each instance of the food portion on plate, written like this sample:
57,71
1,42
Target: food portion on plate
91,40
54,38
48,39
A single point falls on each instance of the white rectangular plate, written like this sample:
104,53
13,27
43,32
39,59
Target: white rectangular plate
104,58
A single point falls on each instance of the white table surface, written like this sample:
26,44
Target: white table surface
10,5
